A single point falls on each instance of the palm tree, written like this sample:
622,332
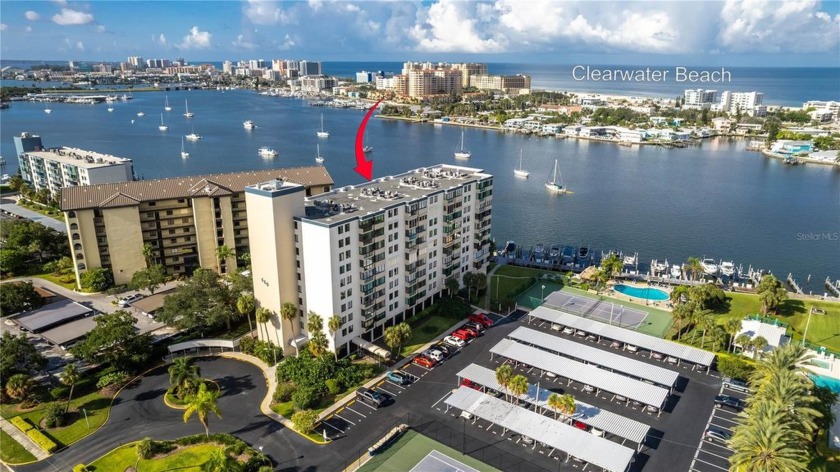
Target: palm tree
705,322
19,387
245,305
693,265
503,375
677,294
202,404
767,443
334,324
318,344
70,377
148,254
263,317
452,286
223,253
718,336
791,390
518,386
288,312
744,341
771,292
221,461
314,323
396,335
183,375
682,312
564,404
404,331
758,344
612,265
732,327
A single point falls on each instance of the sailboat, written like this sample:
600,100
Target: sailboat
520,172
462,153
318,157
192,136
556,182
47,109
184,153
188,113
368,148
166,106
322,133
162,126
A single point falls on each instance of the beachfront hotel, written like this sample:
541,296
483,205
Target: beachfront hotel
183,219
373,254
54,168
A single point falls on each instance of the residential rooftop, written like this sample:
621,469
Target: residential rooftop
358,201
79,157
123,194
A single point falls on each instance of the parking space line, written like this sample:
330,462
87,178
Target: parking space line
345,419
713,454
715,466
333,427
387,391
441,398
395,385
718,445
356,412
727,428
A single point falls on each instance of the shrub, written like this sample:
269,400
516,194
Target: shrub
734,366
59,393
54,415
584,286
333,386
305,397
284,392
97,279
111,378
42,440
80,468
21,423
146,448
304,421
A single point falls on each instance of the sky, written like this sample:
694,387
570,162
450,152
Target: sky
726,32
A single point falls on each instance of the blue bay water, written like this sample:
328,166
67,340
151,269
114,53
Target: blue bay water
716,200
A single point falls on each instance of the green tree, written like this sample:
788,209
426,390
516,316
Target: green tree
563,404
148,254
70,377
16,183
97,279
114,340
757,345
18,356
304,421
682,312
504,373
184,376
678,293
148,279
744,341
19,387
201,304
334,324
693,265
12,260
245,305
767,444
202,403
289,312
732,327
452,286
18,296
771,293
263,317
318,343
772,127
221,461
612,265
705,322
314,322
223,255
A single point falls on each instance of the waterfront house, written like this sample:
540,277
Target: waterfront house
772,332
658,120
722,125
789,147
572,130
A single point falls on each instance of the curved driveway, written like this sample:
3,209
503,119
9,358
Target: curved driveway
139,412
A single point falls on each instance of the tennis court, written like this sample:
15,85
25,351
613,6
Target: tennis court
415,452
597,308
533,296
437,462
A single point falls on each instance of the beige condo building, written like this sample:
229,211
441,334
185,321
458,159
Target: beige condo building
183,219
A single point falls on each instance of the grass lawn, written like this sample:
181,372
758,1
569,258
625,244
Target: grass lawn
510,281
96,405
187,459
54,214
427,328
12,452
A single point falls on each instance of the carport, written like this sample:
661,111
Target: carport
52,315
554,434
372,348
70,332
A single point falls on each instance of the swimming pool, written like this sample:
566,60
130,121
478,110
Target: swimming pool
829,382
642,292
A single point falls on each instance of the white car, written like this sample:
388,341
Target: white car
129,300
434,354
632,348
453,341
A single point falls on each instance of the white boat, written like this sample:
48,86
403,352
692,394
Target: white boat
322,133
193,137
249,124
727,268
184,153
462,153
166,105
140,113
162,126
367,149
520,172
556,182
318,157
187,112
709,266
630,260
266,151
110,109
660,267
676,271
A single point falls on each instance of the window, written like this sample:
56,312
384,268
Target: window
151,204
185,220
171,231
168,212
187,230
181,200
173,241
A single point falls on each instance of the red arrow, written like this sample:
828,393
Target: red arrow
363,166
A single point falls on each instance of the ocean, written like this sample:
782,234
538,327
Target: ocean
715,200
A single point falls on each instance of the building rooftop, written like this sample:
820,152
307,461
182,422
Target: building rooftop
774,334
132,193
355,201
79,157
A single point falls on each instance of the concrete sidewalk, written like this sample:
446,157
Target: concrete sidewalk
23,439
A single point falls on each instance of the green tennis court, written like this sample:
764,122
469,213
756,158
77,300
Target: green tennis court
413,451
533,296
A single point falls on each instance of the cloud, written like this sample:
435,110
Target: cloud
197,39
162,39
3,26
32,15
243,43
288,43
72,17
449,26
80,45
767,26
28,29
100,28
261,12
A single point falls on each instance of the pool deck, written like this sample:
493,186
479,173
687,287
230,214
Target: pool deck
664,305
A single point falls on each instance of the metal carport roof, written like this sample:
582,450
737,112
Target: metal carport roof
52,315
69,332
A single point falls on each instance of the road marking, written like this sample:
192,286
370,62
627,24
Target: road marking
345,419
356,412
709,463
396,385
728,428
380,383
441,398
713,454
333,427
718,445
387,391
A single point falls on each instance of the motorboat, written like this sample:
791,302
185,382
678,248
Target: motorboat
660,267
556,183
162,126
676,271
520,172
47,110
140,113
266,151
110,109
248,124
727,268
554,252
709,266
582,253
318,157
187,111
462,153
630,260
568,255
322,133
184,153
539,252
193,137
367,149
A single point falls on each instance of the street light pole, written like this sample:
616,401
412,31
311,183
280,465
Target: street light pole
542,294
86,418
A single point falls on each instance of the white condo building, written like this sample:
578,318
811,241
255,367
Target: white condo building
55,168
373,254
699,98
750,103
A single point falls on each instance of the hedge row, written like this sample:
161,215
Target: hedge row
37,436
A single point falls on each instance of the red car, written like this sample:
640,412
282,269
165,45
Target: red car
469,383
481,318
473,331
463,335
579,425
424,361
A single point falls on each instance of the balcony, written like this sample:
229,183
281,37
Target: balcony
411,301
414,243
451,239
410,279
413,267
451,216
365,250
369,224
368,262
451,270
368,301
368,237
367,288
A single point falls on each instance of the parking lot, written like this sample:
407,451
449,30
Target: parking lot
713,455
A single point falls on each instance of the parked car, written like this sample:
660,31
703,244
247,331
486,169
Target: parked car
577,424
620,398
469,383
632,348
444,348
728,401
591,337
399,378
580,333
424,361
126,301
657,356
474,332
568,330
463,334
481,318
588,388
370,397
434,354
717,435
736,384
478,327
616,344
672,360
597,432
454,341
556,327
